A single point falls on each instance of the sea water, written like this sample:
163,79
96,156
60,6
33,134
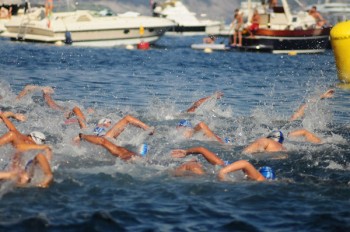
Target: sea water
95,191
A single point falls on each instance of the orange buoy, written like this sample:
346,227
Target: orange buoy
143,45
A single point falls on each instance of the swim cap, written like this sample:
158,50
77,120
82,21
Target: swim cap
104,121
185,123
38,137
99,131
144,149
277,136
267,172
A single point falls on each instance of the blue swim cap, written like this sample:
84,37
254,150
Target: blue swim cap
267,172
227,162
143,149
277,136
185,123
99,131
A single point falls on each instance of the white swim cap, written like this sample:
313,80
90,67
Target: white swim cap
38,137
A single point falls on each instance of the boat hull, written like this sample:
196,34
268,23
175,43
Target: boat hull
285,41
110,31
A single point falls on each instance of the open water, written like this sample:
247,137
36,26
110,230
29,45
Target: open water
94,191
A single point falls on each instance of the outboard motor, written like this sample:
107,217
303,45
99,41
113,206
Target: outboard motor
68,38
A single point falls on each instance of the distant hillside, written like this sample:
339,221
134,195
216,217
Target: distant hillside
214,9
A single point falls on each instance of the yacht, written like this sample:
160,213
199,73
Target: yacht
187,23
281,31
86,28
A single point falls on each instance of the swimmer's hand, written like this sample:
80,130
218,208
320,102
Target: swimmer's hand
48,179
47,90
328,94
150,130
31,88
178,153
20,117
219,95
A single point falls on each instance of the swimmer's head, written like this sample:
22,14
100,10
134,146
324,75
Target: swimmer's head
267,172
38,137
276,135
104,122
184,123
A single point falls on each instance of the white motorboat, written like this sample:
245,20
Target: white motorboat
334,11
187,23
9,9
86,28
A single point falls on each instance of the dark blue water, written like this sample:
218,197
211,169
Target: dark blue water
94,191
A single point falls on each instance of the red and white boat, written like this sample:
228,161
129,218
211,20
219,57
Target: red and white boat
281,31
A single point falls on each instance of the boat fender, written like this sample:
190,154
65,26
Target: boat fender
143,46
340,40
68,37
208,50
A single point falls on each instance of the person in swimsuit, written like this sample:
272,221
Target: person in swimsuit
194,167
237,25
33,141
320,21
300,112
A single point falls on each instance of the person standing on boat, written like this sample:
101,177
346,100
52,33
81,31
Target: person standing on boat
237,25
320,21
254,23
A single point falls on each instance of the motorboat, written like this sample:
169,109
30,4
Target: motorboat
8,9
86,28
334,11
187,23
281,31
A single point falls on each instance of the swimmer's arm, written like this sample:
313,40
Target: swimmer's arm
299,113
206,130
19,117
26,90
201,101
308,136
243,165
80,116
29,147
208,155
45,167
7,122
50,102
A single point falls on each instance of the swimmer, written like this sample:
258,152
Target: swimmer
115,150
194,167
104,126
198,103
33,141
47,92
271,143
188,131
23,175
301,110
